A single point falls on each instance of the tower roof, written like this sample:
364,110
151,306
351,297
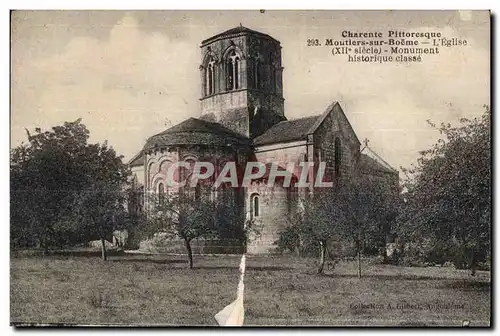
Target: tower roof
236,31
196,132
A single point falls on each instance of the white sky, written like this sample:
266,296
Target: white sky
126,73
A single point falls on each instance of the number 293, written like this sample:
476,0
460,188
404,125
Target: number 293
313,42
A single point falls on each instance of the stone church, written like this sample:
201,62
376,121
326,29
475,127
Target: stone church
243,119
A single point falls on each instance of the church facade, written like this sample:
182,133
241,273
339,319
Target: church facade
243,120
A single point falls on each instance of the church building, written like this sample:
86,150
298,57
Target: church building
243,119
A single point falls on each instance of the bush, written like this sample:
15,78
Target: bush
427,252
288,240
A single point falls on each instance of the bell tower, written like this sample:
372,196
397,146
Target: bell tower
241,81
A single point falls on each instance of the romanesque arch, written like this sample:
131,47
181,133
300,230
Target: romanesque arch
209,67
338,157
255,206
232,67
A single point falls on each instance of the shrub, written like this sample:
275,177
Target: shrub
289,240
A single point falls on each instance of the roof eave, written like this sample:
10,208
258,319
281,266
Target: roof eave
236,34
135,157
383,162
274,142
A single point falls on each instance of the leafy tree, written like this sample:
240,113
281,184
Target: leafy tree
100,205
42,182
370,207
180,216
353,211
99,208
289,239
49,174
448,192
323,218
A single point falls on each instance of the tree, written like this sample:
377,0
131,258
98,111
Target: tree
42,179
448,192
99,208
290,238
324,219
370,206
180,216
352,211
100,205
49,174
186,215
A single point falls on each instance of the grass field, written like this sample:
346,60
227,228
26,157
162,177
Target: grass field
160,290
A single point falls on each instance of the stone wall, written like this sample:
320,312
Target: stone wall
282,153
160,244
138,172
274,209
336,126
277,202
158,162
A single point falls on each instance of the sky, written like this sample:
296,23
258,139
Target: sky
129,75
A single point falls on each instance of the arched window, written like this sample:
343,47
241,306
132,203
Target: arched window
152,170
256,74
210,77
232,71
161,193
338,157
272,71
255,206
229,75
273,79
236,73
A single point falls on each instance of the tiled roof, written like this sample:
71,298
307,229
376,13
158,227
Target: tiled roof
196,132
368,164
286,131
137,159
235,31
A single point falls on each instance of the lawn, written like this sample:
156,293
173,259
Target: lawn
160,290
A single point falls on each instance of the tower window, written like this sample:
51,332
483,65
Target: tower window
232,71
338,157
236,74
272,71
256,74
273,79
210,78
